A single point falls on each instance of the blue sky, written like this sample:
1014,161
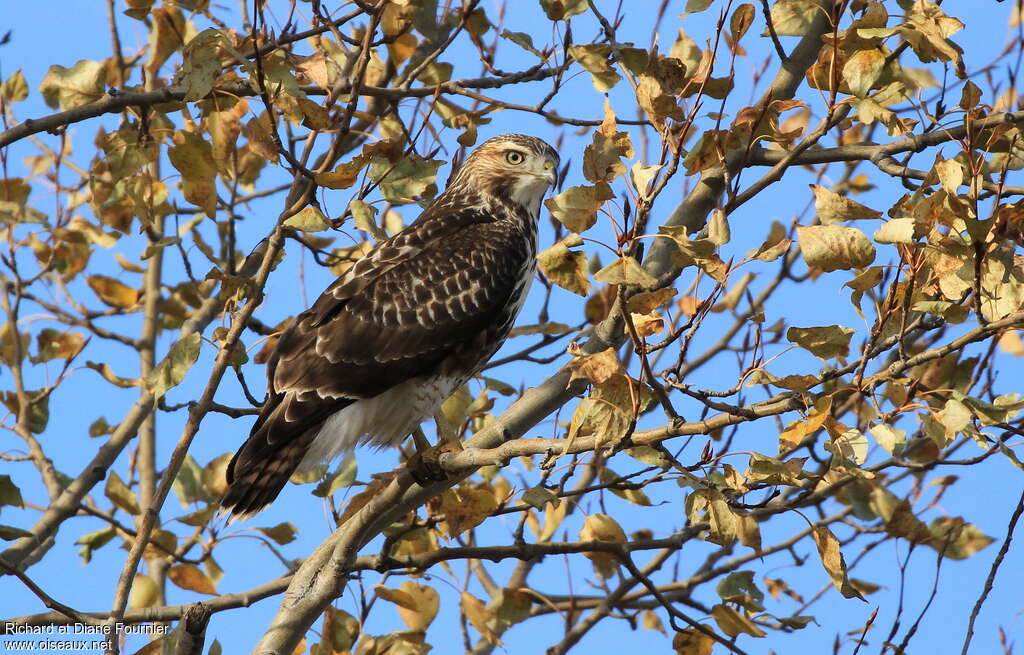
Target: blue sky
54,32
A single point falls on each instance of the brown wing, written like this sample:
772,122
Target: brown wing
412,305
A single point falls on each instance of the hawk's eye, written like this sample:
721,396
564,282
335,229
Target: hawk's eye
514,157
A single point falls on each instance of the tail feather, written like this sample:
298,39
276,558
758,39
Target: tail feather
255,479
278,442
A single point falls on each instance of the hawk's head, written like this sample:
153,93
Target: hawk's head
513,167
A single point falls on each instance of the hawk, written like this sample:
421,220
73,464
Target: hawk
403,328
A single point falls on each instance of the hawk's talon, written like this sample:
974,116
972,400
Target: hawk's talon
425,465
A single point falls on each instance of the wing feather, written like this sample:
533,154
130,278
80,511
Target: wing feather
415,302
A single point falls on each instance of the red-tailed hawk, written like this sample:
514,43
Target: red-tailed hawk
398,332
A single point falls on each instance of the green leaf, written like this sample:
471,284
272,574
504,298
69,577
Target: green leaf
566,268
9,493
198,517
310,219
593,58
708,504
342,477
409,179
797,622
523,40
563,9
635,496
649,456
38,409
119,494
863,69
539,496
626,271
696,6
188,484
824,342
956,539
851,446
772,471
91,541
172,369
641,177
365,217
339,633
282,533
889,438
10,533
739,587
793,17
201,66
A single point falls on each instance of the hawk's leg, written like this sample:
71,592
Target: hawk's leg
425,464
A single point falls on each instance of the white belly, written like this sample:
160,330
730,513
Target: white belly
380,421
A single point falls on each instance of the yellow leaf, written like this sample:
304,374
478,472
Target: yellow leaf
647,301
601,527
951,175
478,614
692,642
344,175
113,292
824,342
373,489
576,208
594,59
733,623
119,494
597,368
651,621
145,592
189,577
863,69
602,159
201,65
832,207
647,324
67,88
310,219
14,88
402,48
741,20
193,158
835,247
396,596
426,600
566,268
466,507
832,560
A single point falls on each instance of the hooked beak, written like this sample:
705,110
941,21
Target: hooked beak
551,172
